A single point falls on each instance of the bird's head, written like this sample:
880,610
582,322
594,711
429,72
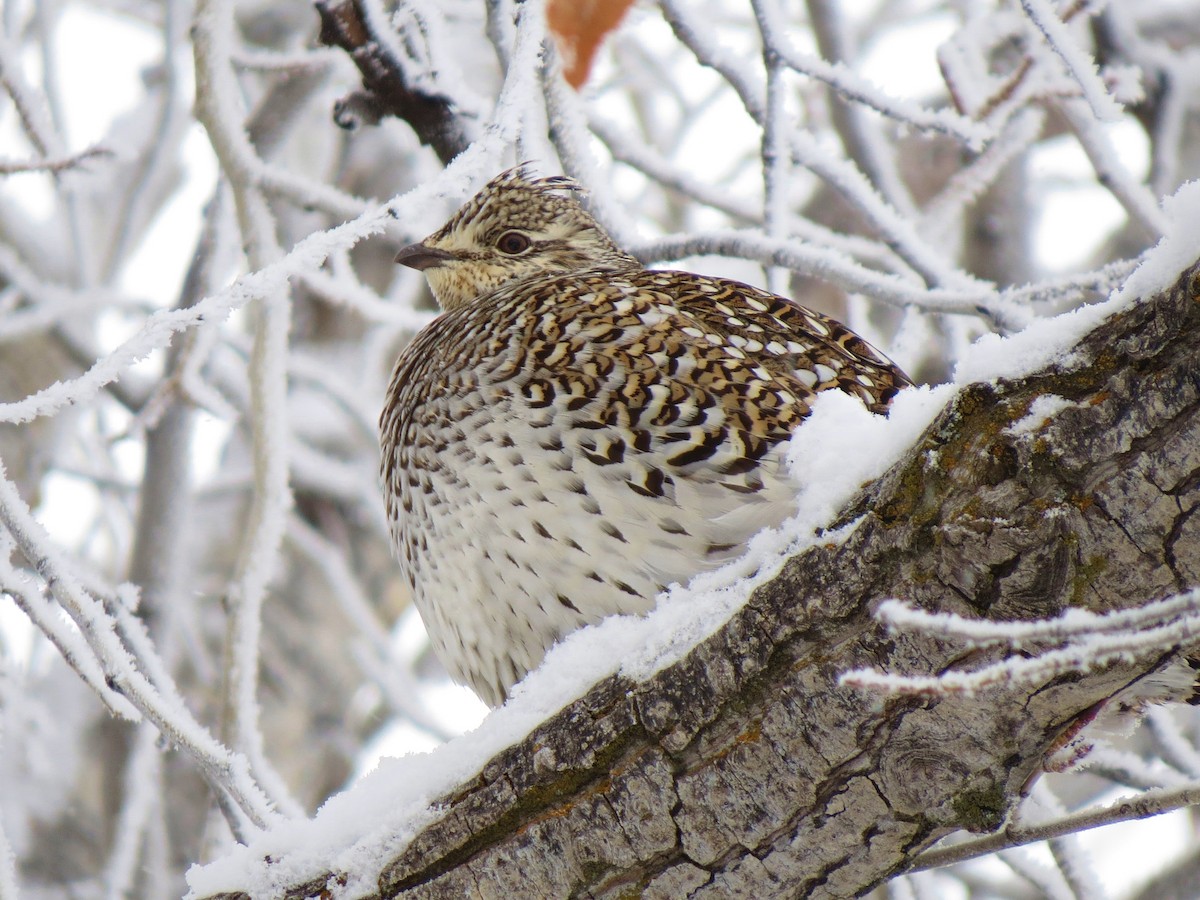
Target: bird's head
518,226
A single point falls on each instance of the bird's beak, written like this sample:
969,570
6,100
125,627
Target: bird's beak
418,256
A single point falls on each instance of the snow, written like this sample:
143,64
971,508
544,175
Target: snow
1047,341
1041,411
1178,248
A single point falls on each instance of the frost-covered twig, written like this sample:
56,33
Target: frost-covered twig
638,155
1045,880
1078,62
840,173
157,157
42,613
1077,870
1176,71
971,181
774,151
858,128
1071,624
1068,291
854,88
835,268
227,772
1173,746
1088,641
56,164
8,860
1151,803
157,331
708,52
342,290
217,108
36,125
570,136
1141,205
140,795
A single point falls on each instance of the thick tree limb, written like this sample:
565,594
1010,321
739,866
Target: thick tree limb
746,770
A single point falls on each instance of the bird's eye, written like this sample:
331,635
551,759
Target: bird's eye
512,243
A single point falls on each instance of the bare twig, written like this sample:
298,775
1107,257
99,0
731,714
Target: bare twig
60,164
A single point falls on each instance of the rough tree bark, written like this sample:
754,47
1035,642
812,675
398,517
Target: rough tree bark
747,770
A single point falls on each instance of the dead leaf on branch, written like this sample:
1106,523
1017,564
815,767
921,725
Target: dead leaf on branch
578,27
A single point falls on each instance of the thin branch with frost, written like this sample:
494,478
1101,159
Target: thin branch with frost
1078,62
774,150
896,231
226,771
1175,70
303,61
1151,803
1087,640
1073,623
1065,292
158,153
143,771
840,173
645,159
835,268
55,164
858,90
970,182
638,155
1127,769
1046,881
1137,200
341,289
1042,804
8,859
158,330
303,371
217,108
1174,747
570,137
696,37
38,128
857,128
70,645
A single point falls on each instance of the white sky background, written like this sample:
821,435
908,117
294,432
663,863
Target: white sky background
102,60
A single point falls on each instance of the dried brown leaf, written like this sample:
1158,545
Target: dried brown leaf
578,27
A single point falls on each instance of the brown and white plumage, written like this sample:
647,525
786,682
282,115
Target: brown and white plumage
575,432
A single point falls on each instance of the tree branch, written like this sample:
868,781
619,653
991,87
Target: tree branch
387,88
